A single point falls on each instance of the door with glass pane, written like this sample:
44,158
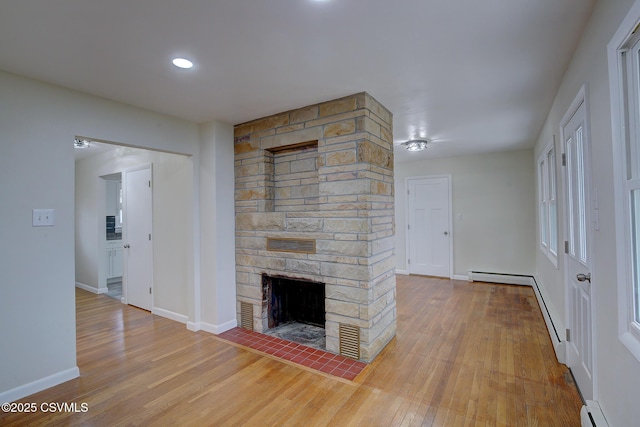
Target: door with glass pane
577,250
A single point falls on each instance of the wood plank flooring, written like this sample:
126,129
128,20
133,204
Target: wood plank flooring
465,354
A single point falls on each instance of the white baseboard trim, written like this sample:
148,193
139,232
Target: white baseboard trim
169,315
454,277
193,326
91,288
39,385
507,279
218,329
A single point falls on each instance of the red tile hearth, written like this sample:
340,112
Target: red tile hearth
320,360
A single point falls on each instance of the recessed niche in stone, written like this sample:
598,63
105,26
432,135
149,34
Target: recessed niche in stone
295,177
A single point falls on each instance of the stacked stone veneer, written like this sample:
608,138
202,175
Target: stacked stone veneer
323,172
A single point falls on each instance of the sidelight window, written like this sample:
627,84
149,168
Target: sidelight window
547,203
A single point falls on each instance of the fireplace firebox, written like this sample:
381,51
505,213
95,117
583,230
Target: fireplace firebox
293,300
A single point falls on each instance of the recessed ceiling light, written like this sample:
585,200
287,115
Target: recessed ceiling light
182,63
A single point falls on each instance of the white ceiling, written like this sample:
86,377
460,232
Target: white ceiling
473,76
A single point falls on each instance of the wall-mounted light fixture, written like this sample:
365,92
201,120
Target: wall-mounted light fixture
80,143
415,144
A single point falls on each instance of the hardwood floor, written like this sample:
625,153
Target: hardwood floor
466,354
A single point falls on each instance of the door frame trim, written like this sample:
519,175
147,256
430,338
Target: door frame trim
449,178
580,98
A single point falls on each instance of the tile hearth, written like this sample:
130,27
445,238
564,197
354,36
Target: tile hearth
320,360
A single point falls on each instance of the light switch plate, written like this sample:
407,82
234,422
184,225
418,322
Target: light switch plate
44,218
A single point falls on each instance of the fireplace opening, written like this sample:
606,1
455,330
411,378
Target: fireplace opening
296,309
293,300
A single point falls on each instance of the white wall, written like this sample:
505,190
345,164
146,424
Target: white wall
618,372
495,193
217,210
172,222
37,307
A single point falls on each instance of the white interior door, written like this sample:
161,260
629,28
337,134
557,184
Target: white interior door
580,353
136,229
429,233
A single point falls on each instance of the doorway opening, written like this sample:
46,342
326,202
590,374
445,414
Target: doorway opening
105,164
113,235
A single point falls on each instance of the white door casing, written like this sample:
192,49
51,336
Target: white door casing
578,237
429,226
136,233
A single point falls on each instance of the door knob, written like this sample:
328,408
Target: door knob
584,277
446,233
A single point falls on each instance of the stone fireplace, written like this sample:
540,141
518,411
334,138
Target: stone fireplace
314,204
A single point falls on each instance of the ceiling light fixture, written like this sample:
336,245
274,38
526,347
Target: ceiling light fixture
80,143
182,63
415,144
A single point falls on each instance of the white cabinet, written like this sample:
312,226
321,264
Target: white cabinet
115,263
118,264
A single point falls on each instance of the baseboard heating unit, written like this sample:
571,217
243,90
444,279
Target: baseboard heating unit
591,415
507,279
